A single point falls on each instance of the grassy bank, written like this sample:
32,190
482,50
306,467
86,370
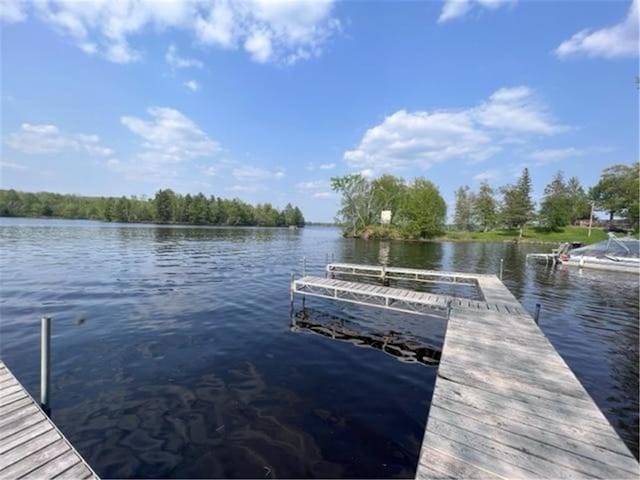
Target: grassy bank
531,234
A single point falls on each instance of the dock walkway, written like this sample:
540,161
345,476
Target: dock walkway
505,404
398,299
31,447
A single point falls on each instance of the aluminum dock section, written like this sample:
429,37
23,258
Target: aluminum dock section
30,444
505,404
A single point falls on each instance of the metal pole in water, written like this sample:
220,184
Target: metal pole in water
501,267
448,309
45,357
292,293
326,262
536,316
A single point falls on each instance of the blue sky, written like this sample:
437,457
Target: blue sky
266,101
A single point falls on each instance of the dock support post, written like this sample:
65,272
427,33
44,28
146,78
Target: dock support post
326,262
448,309
45,358
501,267
536,316
292,290
383,275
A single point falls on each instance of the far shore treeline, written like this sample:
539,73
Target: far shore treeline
166,207
418,211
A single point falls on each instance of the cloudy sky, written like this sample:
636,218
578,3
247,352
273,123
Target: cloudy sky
267,100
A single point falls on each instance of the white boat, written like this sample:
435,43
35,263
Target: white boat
614,254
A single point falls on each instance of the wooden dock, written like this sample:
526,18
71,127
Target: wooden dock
31,447
505,403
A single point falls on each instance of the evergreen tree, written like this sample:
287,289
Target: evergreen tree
517,206
485,207
580,205
165,205
555,210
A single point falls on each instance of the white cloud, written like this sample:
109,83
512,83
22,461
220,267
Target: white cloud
259,46
458,8
210,171
192,85
270,31
324,195
168,139
312,185
421,139
487,175
13,166
518,110
12,11
170,136
548,155
176,61
250,174
327,166
619,40
247,188
44,139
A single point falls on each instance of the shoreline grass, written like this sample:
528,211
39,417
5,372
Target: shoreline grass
530,235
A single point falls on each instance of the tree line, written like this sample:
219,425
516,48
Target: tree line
564,202
418,210
165,207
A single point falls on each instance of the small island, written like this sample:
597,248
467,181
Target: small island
391,208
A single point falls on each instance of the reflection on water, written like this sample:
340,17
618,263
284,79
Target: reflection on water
405,347
173,356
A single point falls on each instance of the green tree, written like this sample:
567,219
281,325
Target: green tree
517,206
424,211
357,203
388,194
289,215
165,205
485,207
580,205
10,204
617,192
463,217
556,209
298,217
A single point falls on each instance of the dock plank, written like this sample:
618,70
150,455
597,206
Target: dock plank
505,402
7,443
30,443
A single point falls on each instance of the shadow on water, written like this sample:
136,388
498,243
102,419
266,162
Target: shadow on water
403,347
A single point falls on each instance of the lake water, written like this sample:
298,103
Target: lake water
173,356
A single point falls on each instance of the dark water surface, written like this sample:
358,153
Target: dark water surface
172,352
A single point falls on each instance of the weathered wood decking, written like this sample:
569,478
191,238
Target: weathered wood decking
30,444
398,273
397,299
505,403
